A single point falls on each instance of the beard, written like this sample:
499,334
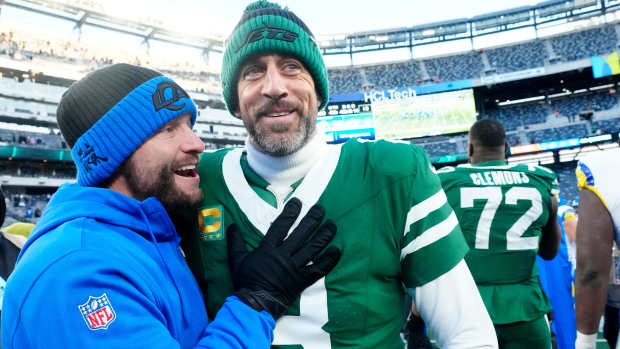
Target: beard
161,185
280,139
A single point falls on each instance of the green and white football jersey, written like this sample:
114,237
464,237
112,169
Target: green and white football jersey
502,210
395,230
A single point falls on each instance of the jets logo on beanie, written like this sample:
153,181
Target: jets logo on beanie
108,114
267,28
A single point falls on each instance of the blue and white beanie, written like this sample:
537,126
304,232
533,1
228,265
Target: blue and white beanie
108,114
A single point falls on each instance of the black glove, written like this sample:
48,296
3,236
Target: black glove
417,339
274,274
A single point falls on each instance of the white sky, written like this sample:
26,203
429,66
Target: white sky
322,16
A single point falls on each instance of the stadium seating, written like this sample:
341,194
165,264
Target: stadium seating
32,139
345,80
556,133
517,57
387,76
574,105
457,67
578,45
520,115
25,208
31,90
44,49
506,59
437,149
567,179
606,126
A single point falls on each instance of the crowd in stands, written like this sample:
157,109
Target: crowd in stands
384,76
607,126
517,116
571,107
556,114
574,46
24,44
567,179
20,44
440,149
557,133
517,57
500,60
457,67
24,207
542,122
440,146
32,139
31,168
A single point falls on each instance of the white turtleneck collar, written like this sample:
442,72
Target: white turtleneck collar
285,170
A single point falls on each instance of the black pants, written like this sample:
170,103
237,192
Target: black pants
610,328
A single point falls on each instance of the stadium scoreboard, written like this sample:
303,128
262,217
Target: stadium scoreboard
342,121
396,114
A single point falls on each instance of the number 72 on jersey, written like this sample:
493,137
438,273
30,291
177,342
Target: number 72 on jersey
494,198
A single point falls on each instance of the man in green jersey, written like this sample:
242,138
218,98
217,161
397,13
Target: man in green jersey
507,214
396,231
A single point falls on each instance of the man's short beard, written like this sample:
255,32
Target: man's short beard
282,146
161,186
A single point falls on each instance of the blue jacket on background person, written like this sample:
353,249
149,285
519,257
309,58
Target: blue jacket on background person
102,260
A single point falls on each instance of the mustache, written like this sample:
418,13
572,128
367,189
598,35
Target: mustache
184,160
271,104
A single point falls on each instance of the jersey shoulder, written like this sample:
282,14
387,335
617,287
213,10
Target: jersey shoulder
388,157
597,169
536,170
448,174
597,172
545,175
212,159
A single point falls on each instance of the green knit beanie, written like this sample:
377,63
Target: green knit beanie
266,27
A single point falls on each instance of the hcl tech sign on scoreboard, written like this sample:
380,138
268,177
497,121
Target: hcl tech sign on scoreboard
399,114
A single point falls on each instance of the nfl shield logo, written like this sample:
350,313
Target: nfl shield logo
97,312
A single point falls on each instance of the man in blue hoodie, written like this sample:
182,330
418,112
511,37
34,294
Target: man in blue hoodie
103,267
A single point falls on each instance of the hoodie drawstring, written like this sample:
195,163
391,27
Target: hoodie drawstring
186,321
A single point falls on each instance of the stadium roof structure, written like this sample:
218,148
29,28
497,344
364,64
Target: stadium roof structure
534,16
147,28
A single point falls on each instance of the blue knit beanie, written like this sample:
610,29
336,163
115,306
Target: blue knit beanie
111,112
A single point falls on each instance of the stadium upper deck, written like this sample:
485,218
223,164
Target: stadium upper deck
590,20
48,63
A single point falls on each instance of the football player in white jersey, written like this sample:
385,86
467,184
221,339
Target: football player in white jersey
597,228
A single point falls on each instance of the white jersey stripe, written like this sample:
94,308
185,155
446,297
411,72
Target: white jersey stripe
260,213
425,207
431,235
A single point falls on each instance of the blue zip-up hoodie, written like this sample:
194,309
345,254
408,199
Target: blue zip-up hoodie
102,270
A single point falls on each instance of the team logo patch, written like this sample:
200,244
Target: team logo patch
89,158
98,312
210,222
268,31
167,94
